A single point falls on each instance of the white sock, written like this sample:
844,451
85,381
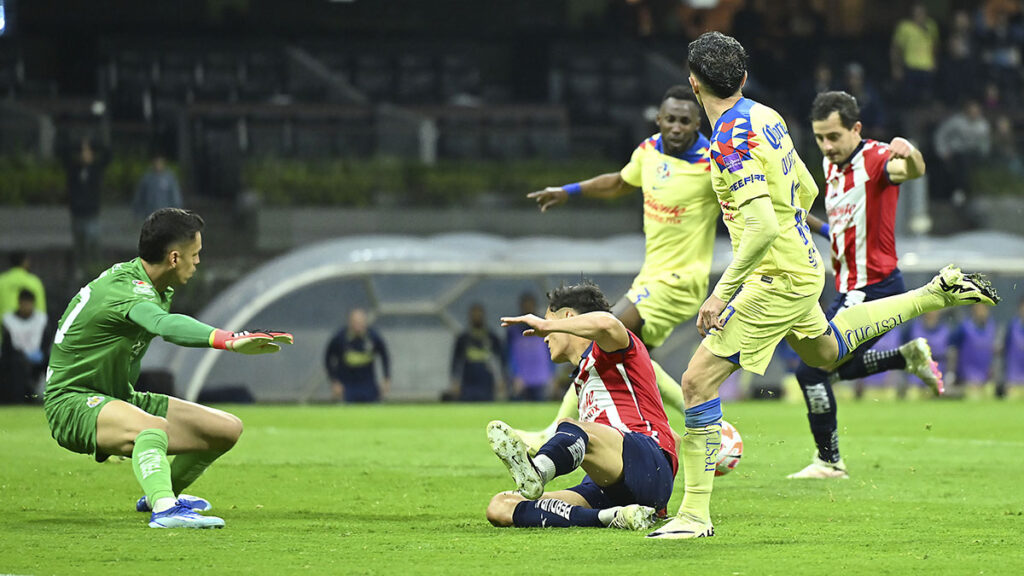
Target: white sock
545,466
162,504
607,515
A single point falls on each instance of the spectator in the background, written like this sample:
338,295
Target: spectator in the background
1013,355
1004,148
932,326
351,361
962,141
477,361
973,347
872,108
17,278
959,70
820,81
530,368
1001,35
913,53
84,164
23,354
158,188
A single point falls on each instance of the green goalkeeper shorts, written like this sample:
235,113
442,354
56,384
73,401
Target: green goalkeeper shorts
72,417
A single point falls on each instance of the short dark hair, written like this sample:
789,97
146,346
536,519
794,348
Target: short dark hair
164,228
719,62
679,92
583,297
17,258
839,102
26,294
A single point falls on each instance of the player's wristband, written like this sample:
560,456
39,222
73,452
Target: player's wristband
824,230
573,189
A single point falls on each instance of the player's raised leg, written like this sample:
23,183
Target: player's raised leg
126,430
859,324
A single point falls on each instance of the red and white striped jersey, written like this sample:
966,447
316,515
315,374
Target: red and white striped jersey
618,389
861,205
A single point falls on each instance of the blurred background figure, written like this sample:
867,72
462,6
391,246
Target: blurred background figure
934,328
972,350
158,188
23,354
477,362
530,369
351,361
1013,355
17,278
962,141
84,165
914,46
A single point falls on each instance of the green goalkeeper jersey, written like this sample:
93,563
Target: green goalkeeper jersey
98,348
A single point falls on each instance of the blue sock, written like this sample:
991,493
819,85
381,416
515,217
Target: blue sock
552,513
564,451
704,414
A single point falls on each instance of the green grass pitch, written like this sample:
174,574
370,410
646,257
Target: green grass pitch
936,488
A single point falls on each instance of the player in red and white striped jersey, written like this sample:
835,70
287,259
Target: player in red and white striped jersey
862,179
622,438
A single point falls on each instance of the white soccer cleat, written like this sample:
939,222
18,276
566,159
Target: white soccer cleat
507,445
183,517
959,289
684,526
533,440
634,517
918,355
822,469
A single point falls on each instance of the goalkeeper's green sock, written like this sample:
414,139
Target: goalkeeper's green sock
186,468
858,324
671,390
149,461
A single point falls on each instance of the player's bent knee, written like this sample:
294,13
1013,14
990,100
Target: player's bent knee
501,509
227,432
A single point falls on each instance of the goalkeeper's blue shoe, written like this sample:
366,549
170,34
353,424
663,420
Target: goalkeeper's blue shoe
183,517
187,500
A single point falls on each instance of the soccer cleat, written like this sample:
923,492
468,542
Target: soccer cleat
187,500
918,355
960,289
507,445
633,517
684,526
822,469
533,440
183,517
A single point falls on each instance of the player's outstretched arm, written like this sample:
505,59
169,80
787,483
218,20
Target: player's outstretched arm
609,185
250,341
905,161
817,225
602,327
187,331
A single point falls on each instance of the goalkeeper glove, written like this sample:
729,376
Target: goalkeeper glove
250,341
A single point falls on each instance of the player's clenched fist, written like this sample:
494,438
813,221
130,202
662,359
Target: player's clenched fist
250,341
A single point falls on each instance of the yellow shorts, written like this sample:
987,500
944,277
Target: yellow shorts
758,317
664,306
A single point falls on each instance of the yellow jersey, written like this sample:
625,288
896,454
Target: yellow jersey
752,156
679,211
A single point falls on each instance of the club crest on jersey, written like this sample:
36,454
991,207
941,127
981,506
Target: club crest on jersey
142,287
663,171
93,401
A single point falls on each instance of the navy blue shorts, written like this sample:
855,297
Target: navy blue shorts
647,478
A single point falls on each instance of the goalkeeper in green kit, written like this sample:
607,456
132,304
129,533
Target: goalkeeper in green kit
90,403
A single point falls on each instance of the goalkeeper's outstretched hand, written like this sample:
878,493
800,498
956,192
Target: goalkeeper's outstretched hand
250,341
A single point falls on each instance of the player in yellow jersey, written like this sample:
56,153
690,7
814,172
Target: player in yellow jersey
671,168
771,288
